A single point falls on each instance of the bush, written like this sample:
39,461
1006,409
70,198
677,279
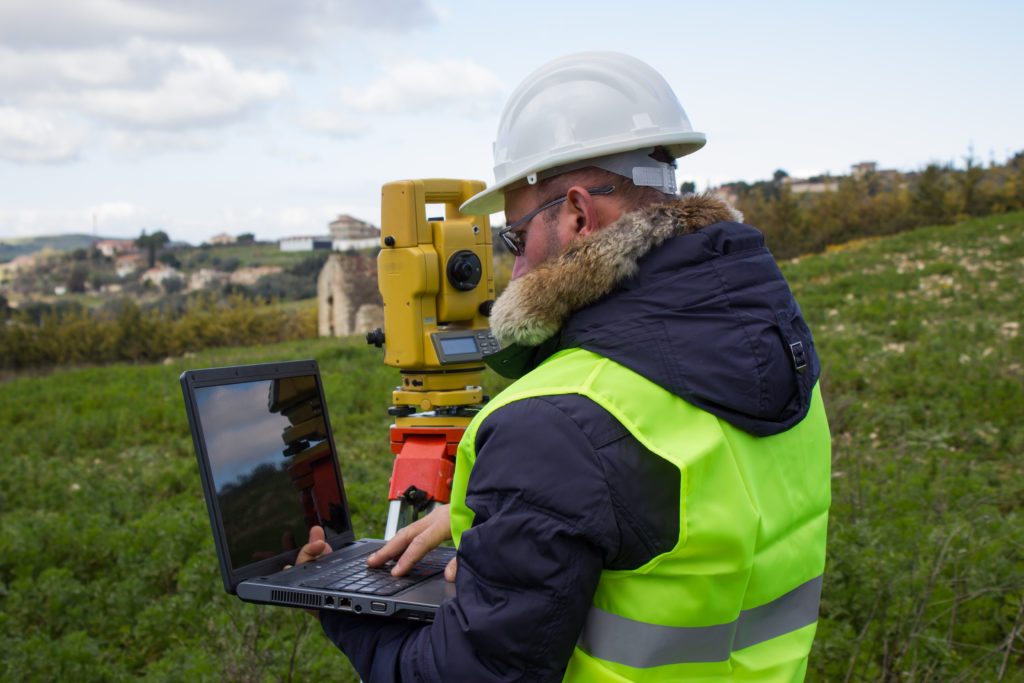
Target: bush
124,331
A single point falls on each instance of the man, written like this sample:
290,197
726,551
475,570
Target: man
649,500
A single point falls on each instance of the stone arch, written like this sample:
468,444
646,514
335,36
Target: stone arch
347,282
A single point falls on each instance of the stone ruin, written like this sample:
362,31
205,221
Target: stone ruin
348,299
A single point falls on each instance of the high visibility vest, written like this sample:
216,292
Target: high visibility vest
737,597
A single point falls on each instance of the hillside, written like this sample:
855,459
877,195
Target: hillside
13,247
84,277
107,569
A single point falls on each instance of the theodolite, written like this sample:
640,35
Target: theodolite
435,276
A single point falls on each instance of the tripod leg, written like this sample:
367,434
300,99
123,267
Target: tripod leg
399,513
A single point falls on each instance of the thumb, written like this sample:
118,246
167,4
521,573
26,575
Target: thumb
450,569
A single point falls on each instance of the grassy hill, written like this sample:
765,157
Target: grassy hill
13,247
107,569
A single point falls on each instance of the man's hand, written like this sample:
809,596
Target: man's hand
316,547
412,542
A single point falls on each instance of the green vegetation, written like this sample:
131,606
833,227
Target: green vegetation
86,276
923,360
244,255
108,572
107,567
70,333
876,203
13,247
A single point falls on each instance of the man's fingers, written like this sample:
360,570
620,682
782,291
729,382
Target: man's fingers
450,569
311,551
411,543
316,548
397,544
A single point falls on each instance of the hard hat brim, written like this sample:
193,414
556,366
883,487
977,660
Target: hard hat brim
492,199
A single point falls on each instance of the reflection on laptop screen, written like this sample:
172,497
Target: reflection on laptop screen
273,473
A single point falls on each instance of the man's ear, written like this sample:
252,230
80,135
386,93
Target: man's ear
584,212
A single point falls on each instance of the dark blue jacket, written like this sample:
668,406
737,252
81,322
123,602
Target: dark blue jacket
562,491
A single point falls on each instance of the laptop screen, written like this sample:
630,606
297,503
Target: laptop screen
270,463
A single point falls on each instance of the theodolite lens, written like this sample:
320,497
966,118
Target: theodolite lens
464,270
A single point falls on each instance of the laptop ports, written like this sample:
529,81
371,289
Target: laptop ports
343,603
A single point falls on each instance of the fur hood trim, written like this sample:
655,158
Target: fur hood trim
534,307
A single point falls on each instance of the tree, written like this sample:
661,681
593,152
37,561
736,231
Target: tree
79,276
928,197
972,200
246,238
169,259
689,187
152,243
173,284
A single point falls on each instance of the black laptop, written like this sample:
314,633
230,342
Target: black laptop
269,468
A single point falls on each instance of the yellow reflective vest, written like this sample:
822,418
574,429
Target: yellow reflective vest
737,597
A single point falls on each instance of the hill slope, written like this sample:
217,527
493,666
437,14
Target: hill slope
13,247
107,570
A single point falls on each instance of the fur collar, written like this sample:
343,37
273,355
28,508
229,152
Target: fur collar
534,307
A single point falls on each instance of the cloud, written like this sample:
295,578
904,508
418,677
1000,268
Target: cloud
135,144
415,85
290,220
24,71
137,70
236,443
334,124
290,153
39,137
148,96
200,86
112,219
260,24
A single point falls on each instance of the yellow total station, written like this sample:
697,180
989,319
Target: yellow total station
435,276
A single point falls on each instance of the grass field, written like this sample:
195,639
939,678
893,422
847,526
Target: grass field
107,569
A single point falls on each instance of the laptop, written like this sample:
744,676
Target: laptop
269,469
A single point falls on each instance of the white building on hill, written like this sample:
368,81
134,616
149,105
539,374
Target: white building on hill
345,232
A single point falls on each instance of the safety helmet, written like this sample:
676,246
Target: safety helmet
582,107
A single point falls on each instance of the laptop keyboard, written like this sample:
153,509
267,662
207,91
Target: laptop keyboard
354,576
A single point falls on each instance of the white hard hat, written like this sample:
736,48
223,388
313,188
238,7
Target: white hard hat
586,107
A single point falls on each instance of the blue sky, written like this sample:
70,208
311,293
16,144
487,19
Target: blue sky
199,117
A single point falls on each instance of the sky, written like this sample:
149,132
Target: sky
202,117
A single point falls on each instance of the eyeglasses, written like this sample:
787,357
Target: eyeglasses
514,241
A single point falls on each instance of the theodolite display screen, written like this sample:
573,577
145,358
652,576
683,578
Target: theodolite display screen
462,346
458,345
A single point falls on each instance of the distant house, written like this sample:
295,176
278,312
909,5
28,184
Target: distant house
729,192
128,263
113,247
249,276
351,233
222,239
345,232
863,168
158,274
812,185
207,278
305,243
23,262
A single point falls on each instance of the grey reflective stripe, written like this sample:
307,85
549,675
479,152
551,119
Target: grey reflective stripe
641,645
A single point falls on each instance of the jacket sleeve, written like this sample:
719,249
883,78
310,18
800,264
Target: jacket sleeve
527,569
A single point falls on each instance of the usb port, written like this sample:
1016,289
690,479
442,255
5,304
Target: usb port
378,606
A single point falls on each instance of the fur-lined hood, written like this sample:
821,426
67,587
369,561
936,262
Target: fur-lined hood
534,307
682,294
